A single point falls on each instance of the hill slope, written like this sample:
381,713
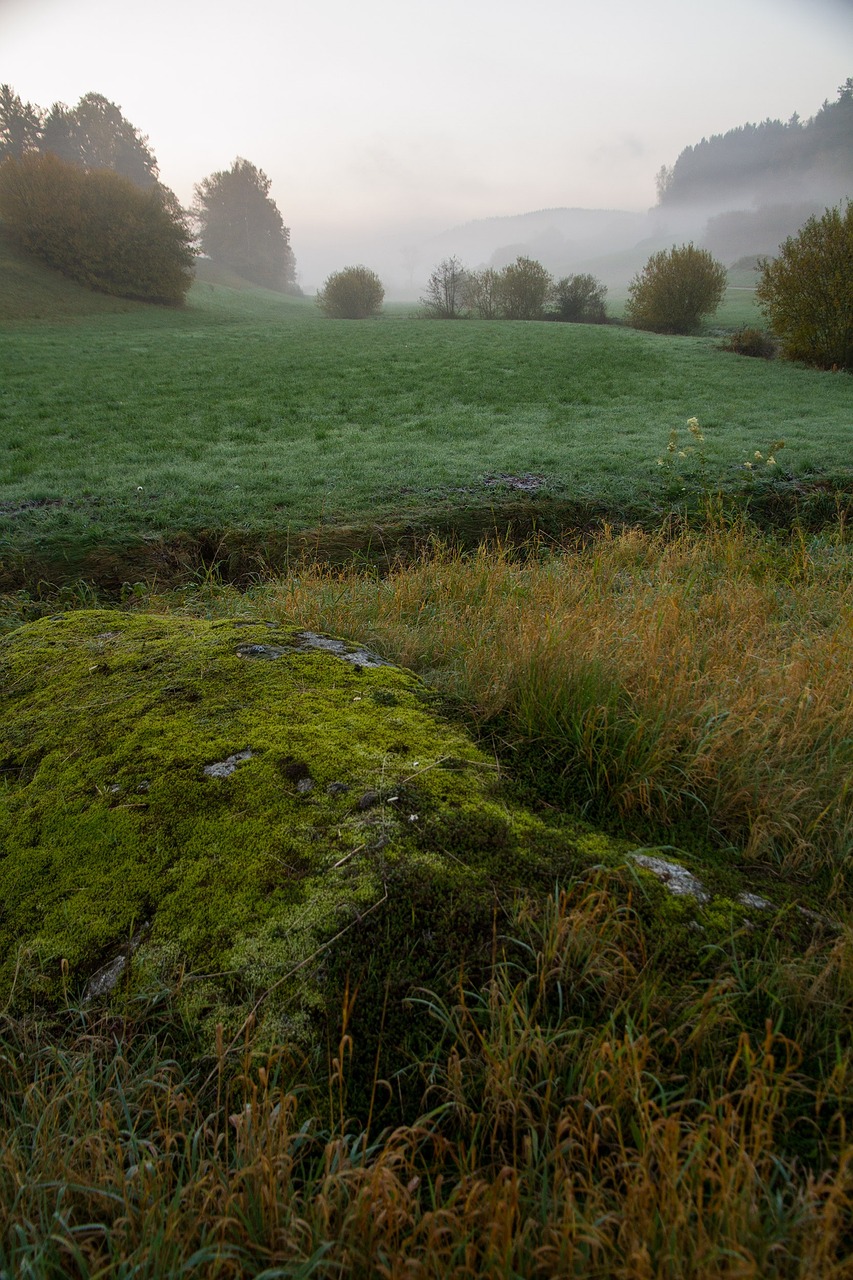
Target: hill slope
29,290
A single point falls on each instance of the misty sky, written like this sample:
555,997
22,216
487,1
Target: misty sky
382,114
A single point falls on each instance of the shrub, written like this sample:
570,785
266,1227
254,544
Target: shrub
675,289
750,342
579,299
481,293
445,292
352,294
98,227
807,291
523,289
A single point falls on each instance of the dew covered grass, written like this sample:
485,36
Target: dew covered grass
247,411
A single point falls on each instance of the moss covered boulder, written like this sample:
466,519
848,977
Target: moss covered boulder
256,815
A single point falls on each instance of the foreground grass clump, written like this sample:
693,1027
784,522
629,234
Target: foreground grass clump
696,685
582,1115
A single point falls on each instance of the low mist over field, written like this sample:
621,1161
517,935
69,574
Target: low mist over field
397,134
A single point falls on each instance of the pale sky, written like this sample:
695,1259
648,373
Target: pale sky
386,115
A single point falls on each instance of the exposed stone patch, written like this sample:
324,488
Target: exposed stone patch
269,652
106,978
755,901
358,656
678,880
224,768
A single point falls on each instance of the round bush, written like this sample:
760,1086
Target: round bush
675,289
352,294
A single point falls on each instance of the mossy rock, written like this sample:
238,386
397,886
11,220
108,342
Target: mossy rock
250,815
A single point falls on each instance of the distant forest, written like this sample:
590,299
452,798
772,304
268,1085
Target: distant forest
768,162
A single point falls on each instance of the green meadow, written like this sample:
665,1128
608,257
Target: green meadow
648,630
247,419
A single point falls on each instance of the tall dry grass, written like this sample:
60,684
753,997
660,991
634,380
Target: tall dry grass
702,678
580,1120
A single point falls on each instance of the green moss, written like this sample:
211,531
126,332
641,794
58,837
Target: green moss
356,837
349,799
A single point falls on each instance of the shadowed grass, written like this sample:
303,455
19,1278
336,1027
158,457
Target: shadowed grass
583,1118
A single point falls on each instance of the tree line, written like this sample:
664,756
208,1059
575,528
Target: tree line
80,189
765,158
522,290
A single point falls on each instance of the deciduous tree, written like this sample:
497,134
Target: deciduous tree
579,299
806,291
524,288
98,227
444,298
96,135
482,293
240,226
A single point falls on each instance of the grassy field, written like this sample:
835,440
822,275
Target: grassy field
247,419
613,1092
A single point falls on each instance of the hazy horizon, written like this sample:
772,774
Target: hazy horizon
396,121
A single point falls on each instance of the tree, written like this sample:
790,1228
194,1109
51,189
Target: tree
20,124
98,227
675,289
523,290
240,226
481,293
96,135
806,292
663,181
445,292
579,299
355,293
